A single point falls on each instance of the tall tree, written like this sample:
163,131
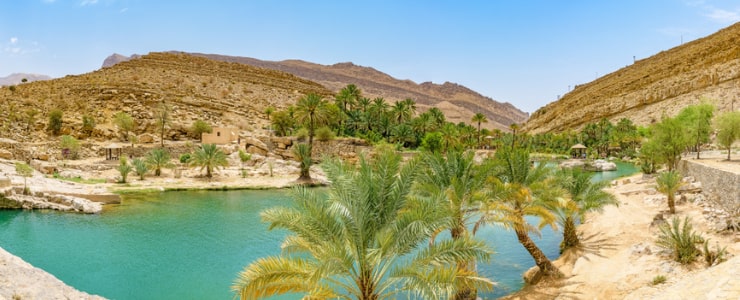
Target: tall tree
438,117
728,126
162,116
520,190
209,157
698,122
367,239
583,196
311,110
458,183
479,118
670,134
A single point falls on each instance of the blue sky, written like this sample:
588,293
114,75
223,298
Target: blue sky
523,52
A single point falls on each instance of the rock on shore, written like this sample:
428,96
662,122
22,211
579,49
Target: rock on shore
20,280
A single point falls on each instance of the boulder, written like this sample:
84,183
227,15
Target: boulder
256,150
253,142
43,167
603,165
5,154
146,138
282,141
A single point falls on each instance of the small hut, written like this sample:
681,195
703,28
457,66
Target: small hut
578,151
113,151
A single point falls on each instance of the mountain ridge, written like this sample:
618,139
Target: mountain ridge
458,102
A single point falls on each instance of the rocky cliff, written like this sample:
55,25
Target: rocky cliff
457,102
707,69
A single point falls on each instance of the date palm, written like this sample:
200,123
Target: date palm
668,183
157,159
209,157
518,190
302,154
312,111
583,196
366,239
479,118
458,183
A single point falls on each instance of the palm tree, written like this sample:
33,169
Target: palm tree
668,183
410,105
479,118
157,159
458,183
514,127
585,196
140,167
438,117
519,190
450,136
208,157
311,110
302,153
403,134
401,112
366,239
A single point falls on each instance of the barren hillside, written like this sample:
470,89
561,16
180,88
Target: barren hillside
193,87
707,69
457,102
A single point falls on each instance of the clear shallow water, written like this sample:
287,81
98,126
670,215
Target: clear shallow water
191,245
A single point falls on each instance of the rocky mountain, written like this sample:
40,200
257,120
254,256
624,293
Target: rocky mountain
707,69
17,78
193,87
457,102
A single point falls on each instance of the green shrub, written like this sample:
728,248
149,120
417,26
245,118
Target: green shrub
680,240
70,147
55,121
88,124
140,167
659,279
184,158
712,258
324,134
301,134
199,127
124,168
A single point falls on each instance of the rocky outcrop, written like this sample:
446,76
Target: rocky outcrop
41,200
20,280
663,84
598,165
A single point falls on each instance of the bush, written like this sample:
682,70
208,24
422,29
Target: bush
432,142
199,127
324,134
658,280
55,121
712,258
70,147
301,134
140,167
88,124
680,240
124,168
184,158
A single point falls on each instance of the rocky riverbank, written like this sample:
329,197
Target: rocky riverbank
21,280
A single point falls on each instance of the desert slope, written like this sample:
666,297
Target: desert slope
707,69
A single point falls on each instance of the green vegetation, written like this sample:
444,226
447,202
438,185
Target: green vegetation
583,196
519,190
55,121
140,167
324,134
302,154
728,125
162,119
697,120
78,179
367,239
31,114
70,147
715,257
479,118
658,279
311,111
158,159
25,171
209,157
124,168
125,124
668,183
244,158
88,124
680,240
199,127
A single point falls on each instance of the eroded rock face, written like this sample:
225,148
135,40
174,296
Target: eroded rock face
662,84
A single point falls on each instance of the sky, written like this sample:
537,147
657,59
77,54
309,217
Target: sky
523,52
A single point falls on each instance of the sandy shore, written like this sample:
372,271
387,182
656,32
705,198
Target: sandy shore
619,259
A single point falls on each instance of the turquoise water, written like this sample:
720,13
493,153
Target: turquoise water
191,245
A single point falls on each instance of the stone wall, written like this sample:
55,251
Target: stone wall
720,184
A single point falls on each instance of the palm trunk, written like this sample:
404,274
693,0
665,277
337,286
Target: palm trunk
671,203
367,287
208,172
545,265
570,237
